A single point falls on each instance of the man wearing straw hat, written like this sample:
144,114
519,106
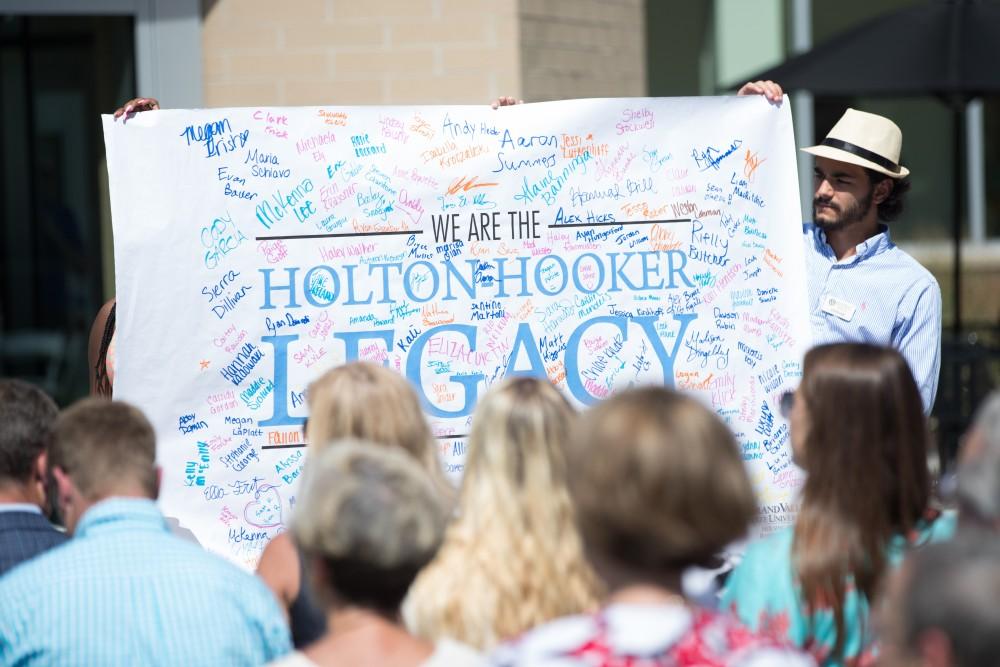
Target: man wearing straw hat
862,287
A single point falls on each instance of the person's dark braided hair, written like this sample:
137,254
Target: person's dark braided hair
101,368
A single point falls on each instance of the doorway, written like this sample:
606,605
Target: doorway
57,75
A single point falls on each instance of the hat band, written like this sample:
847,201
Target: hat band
885,163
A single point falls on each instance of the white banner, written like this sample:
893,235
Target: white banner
600,243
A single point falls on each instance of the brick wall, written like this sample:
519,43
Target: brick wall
311,52
582,48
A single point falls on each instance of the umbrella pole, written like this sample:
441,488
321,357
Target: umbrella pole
958,115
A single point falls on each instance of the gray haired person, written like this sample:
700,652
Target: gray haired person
369,518
940,608
978,491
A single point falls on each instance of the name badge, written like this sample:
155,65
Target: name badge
838,307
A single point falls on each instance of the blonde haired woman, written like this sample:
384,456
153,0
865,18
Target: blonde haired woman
357,400
512,558
368,401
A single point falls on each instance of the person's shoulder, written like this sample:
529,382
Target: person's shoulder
724,632
213,567
28,522
280,568
281,551
937,526
214,577
249,603
448,652
627,631
28,535
764,576
49,570
766,549
293,659
920,277
549,643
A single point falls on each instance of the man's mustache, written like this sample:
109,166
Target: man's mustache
824,202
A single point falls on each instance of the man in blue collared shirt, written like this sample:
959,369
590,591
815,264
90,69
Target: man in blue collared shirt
861,286
27,415
124,591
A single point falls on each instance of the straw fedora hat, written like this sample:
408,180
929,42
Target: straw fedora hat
865,139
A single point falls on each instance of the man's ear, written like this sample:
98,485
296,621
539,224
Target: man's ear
72,504
40,477
42,465
64,485
882,190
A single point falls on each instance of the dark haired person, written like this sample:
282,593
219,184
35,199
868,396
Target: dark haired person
859,432
27,416
862,287
101,351
659,486
103,332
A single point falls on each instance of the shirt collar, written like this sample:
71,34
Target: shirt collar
868,248
117,513
20,507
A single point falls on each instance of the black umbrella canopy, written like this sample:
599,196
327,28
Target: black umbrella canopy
945,48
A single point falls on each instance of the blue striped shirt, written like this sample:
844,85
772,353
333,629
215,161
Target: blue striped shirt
124,591
896,302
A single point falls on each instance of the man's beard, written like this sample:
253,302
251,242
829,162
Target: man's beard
849,216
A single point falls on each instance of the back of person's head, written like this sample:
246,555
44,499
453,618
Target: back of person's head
369,402
106,448
512,559
865,454
658,481
866,441
516,450
373,518
27,416
941,608
979,466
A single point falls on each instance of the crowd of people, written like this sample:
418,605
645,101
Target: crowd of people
571,535
566,543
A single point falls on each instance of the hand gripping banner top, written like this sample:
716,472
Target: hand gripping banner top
599,243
